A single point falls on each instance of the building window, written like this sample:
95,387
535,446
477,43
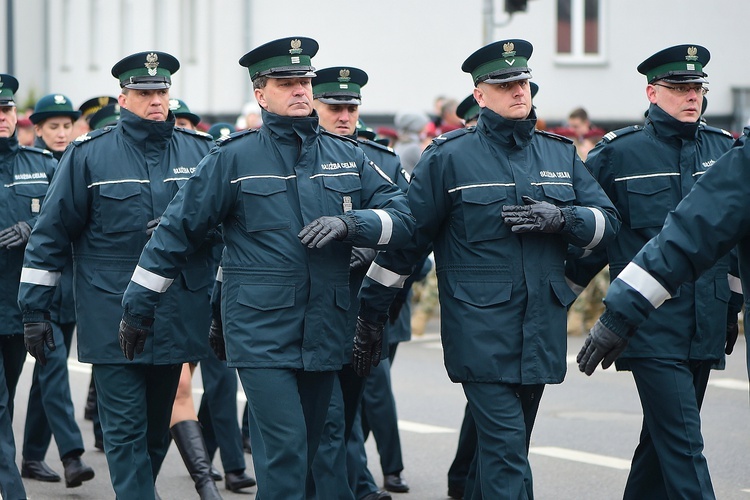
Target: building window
579,31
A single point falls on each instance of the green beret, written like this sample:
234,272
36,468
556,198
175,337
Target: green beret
146,70
284,58
339,85
500,62
180,109
8,88
678,64
53,105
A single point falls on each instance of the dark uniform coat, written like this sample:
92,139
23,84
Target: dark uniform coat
503,296
283,305
109,184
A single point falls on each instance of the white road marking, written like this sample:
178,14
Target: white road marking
581,456
730,383
405,425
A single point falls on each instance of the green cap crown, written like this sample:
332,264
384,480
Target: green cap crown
498,62
53,105
8,89
284,58
677,64
146,70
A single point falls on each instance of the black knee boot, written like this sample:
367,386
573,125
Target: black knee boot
189,440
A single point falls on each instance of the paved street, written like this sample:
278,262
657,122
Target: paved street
586,432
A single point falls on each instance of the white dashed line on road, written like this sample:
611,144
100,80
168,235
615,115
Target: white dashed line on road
581,456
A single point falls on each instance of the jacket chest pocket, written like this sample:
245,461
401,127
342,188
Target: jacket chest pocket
482,210
121,207
29,198
560,194
649,201
265,204
342,193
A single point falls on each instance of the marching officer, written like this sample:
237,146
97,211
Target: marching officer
50,410
500,265
290,220
110,188
25,173
646,171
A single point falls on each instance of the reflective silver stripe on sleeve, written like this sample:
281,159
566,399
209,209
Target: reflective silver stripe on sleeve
149,280
39,277
577,289
386,223
220,275
601,224
735,284
386,277
645,284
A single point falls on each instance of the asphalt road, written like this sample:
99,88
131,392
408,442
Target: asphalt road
586,431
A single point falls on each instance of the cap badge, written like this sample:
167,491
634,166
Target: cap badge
509,49
152,62
174,104
692,54
60,99
103,101
296,47
344,76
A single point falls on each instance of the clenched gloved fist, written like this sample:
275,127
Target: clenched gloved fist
151,226
603,345
37,334
368,344
361,257
733,330
535,216
15,236
216,339
322,231
133,333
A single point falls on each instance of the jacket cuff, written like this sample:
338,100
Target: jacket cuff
569,216
135,321
371,315
351,227
35,316
617,324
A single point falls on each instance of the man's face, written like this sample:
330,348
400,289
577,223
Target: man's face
338,118
682,106
148,104
182,122
511,100
286,96
8,120
579,126
56,132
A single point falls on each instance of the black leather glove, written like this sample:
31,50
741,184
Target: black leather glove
133,333
216,339
361,257
602,344
37,334
535,216
368,344
322,231
151,226
15,235
733,329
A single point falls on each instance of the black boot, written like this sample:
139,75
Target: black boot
189,440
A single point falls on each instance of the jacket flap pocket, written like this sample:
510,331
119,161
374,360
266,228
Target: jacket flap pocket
264,187
484,195
343,183
562,291
559,192
111,281
648,185
119,190
482,293
266,297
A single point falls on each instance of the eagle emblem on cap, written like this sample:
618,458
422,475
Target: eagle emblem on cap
692,54
344,75
60,99
296,47
152,62
174,104
509,49
103,101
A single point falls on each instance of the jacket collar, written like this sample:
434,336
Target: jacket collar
507,132
666,126
9,145
146,132
291,129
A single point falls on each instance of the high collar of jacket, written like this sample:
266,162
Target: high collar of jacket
507,132
9,145
291,129
39,143
146,132
668,127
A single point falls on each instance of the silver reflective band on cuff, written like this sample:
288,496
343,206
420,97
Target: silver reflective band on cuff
598,229
219,275
386,277
149,280
735,284
645,284
577,289
387,226
39,277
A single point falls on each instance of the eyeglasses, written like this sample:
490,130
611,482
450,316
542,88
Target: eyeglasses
684,90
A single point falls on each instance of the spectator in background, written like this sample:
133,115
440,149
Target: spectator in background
409,127
25,132
250,117
448,119
582,132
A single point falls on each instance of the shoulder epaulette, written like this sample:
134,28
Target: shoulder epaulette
337,136
41,151
235,135
449,136
377,145
552,135
716,130
198,133
93,134
611,136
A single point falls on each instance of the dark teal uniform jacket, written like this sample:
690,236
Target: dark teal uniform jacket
708,223
25,174
503,296
283,305
646,171
109,184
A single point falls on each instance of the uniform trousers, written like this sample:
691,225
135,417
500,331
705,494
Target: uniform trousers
668,461
12,356
135,406
465,451
50,409
288,409
504,415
